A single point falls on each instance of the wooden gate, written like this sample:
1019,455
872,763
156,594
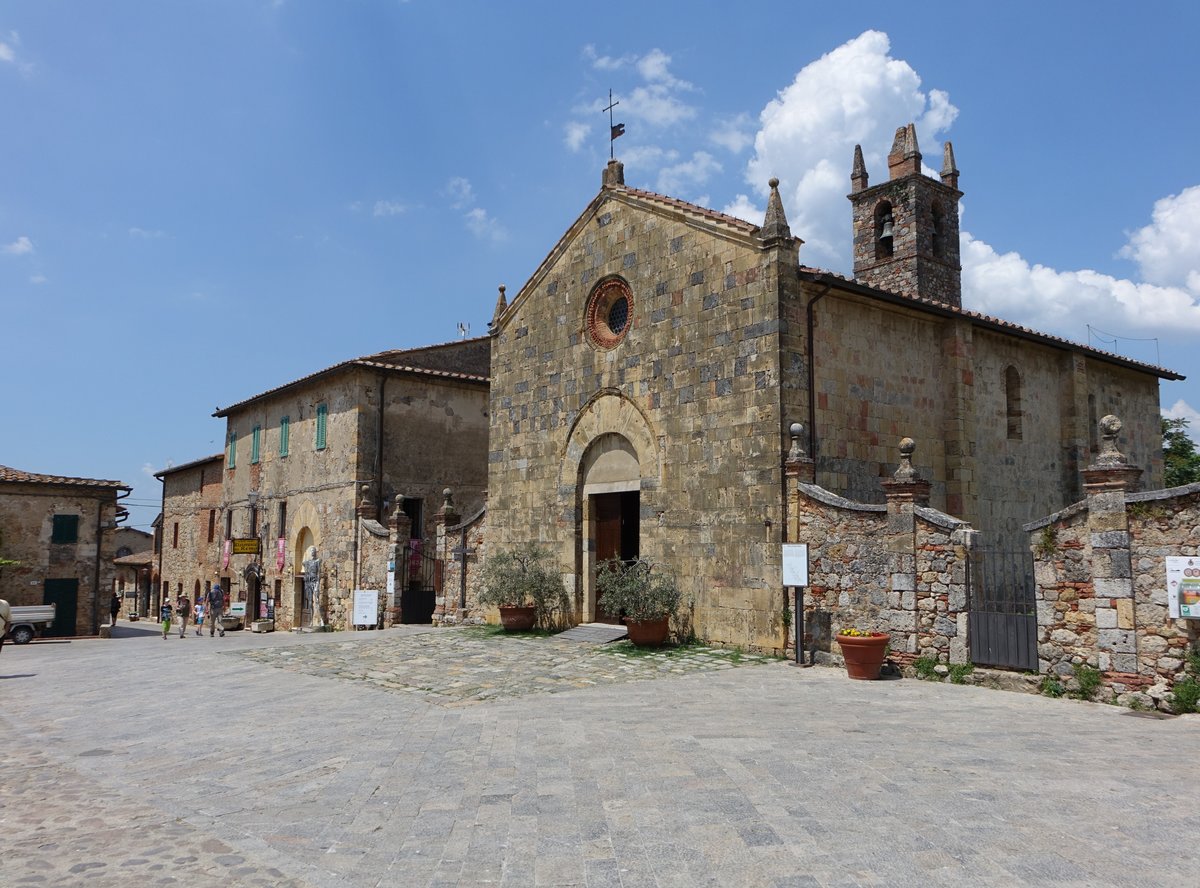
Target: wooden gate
1002,618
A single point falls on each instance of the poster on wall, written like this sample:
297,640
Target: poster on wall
1183,587
366,607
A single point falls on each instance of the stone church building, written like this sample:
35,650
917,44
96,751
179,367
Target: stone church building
644,378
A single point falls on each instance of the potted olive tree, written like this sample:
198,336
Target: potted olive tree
522,584
646,595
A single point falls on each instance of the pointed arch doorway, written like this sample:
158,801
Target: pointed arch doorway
610,489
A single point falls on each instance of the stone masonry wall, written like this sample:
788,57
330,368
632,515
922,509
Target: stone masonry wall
899,568
190,560
1101,592
693,385
448,610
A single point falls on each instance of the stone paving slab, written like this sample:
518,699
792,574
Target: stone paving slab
468,665
143,761
594,633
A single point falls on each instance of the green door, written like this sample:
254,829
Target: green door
64,594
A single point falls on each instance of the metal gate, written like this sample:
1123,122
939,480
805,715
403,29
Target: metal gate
419,577
1002,621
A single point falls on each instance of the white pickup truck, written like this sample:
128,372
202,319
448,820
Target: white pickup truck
27,623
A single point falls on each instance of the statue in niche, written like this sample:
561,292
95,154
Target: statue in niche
312,578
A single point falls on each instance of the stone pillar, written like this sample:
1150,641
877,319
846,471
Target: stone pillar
365,507
1105,483
399,530
447,516
798,468
904,493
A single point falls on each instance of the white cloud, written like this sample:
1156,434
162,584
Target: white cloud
147,233
678,178
8,53
656,101
1006,285
37,279
484,226
657,105
460,192
576,132
1181,409
856,94
743,208
733,135
1167,251
606,63
19,247
388,208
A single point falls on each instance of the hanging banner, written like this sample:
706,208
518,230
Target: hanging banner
1183,587
225,555
279,553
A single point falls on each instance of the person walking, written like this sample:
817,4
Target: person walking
215,605
185,610
165,613
114,608
198,619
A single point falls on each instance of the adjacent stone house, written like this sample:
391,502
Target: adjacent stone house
644,377
60,530
189,548
313,468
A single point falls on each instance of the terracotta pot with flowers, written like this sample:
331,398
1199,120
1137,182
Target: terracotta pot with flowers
864,652
644,594
522,585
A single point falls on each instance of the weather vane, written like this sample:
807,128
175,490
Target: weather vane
615,131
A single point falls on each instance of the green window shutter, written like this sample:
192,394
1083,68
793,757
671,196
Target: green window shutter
322,413
284,428
232,449
65,529
255,436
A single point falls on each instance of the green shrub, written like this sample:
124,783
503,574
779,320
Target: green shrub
1051,686
1186,695
1089,681
521,577
926,668
960,671
640,591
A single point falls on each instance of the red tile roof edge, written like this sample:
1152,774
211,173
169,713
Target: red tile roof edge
17,476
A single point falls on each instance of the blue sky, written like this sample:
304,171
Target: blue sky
202,200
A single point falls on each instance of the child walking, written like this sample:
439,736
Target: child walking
165,613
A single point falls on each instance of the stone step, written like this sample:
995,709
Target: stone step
594,633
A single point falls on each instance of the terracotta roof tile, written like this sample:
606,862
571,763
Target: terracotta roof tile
694,209
16,476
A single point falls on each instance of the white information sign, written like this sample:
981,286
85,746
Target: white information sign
237,609
795,564
1183,587
366,607
391,588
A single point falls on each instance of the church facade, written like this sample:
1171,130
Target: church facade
644,378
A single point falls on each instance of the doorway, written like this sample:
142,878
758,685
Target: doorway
617,535
64,595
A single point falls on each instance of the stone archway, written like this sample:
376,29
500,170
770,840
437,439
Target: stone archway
611,456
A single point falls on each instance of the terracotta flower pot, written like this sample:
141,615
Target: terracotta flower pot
649,633
863,654
517,619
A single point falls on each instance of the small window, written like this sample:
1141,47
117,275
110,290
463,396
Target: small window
413,508
232,448
212,524
175,536
1012,399
229,525
282,518
883,230
254,521
322,414
255,437
66,529
284,427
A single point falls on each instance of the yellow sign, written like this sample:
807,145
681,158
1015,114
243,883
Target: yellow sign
247,546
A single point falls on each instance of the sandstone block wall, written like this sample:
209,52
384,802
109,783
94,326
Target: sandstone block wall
190,561
1100,574
449,610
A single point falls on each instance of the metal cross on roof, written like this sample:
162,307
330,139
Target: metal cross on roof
615,131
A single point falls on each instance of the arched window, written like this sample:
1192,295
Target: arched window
1012,402
883,230
937,233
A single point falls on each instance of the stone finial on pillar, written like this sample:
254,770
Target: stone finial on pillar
949,169
775,225
906,484
365,507
799,465
501,305
447,515
400,524
1110,470
858,172
905,157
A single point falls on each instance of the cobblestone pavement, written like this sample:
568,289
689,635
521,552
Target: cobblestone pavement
138,761
473,665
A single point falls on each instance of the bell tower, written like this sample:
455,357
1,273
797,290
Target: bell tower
906,230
